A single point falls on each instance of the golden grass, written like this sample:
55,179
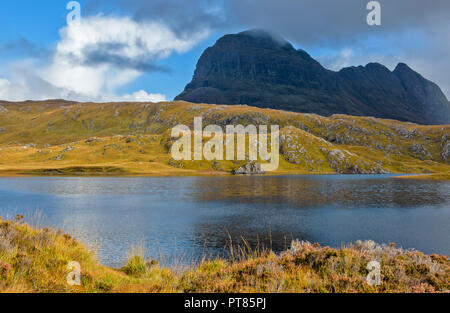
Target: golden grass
121,139
437,176
34,260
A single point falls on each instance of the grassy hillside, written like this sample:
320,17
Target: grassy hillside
33,260
66,138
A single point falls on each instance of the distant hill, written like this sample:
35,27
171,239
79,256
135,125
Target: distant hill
258,69
60,137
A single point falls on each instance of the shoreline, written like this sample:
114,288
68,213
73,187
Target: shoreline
134,140
427,177
36,262
194,173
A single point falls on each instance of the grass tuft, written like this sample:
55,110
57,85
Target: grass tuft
33,260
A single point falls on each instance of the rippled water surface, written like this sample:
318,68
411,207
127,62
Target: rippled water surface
184,218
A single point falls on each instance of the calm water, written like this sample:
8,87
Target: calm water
187,217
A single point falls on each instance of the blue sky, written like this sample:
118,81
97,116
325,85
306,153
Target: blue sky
147,50
38,23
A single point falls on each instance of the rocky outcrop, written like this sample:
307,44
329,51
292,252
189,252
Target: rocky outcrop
316,154
302,148
348,163
309,143
251,168
256,69
420,151
446,152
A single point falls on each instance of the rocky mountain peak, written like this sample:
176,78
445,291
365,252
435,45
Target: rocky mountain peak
262,69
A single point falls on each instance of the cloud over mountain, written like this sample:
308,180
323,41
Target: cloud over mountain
335,32
108,51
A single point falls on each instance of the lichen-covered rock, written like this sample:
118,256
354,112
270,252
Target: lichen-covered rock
3,110
91,140
420,151
339,162
176,164
446,152
251,168
345,162
68,149
304,149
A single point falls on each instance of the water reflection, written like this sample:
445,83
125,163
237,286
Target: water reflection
194,216
308,191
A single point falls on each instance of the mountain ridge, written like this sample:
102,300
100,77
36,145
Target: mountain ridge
255,69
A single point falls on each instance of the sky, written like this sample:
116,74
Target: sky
147,50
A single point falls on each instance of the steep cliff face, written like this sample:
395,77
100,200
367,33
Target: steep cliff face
257,69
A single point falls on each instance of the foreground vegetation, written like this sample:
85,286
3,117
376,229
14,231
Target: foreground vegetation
68,138
33,260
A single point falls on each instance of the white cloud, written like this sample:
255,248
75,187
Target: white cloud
344,58
25,84
140,96
426,54
96,57
419,62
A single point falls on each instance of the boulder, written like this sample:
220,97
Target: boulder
251,168
420,151
446,152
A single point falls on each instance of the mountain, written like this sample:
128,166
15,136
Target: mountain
259,69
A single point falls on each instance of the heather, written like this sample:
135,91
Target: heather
35,260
